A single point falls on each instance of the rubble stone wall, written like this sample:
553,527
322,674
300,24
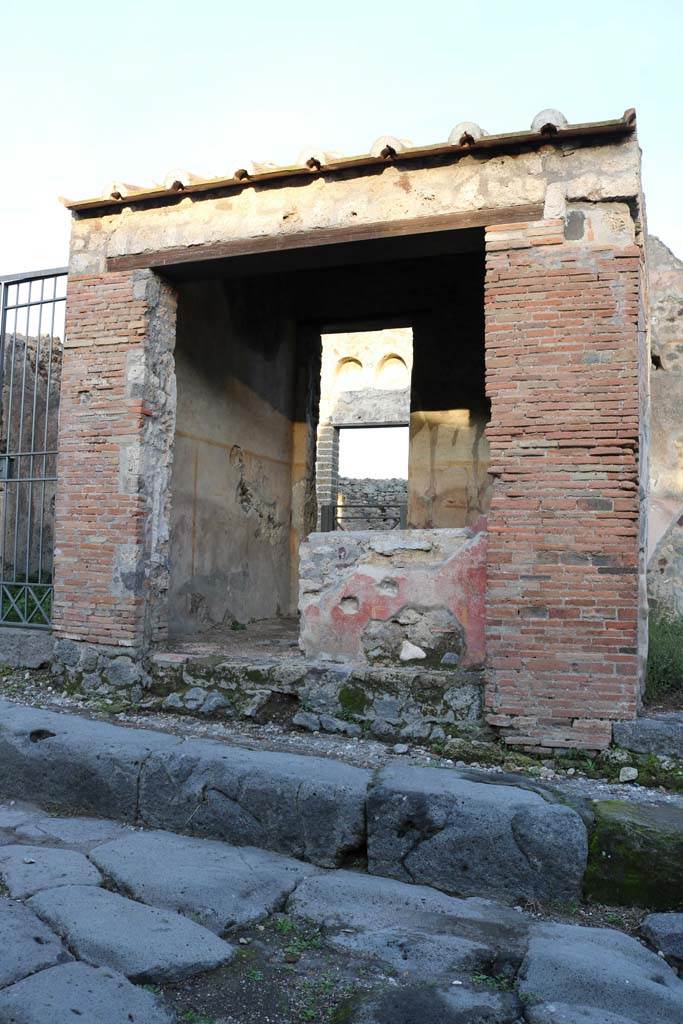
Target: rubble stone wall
371,504
405,596
665,541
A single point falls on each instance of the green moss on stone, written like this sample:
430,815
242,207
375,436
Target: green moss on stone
636,855
353,699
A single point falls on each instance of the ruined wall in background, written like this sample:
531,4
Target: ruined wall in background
368,504
230,530
665,540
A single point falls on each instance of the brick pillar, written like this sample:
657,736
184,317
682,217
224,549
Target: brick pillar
562,372
327,466
117,419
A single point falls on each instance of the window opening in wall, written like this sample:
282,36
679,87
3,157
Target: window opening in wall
372,492
363,431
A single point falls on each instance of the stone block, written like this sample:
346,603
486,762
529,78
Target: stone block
26,648
665,933
79,992
656,734
73,763
26,943
473,838
307,807
220,886
140,942
636,855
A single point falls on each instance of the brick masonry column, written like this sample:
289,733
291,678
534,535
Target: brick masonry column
564,358
117,420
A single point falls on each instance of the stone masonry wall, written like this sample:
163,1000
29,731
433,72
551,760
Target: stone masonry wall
383,500
665,540
116,431
562,350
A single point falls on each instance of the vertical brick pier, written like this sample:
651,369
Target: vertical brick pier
562,369
116,429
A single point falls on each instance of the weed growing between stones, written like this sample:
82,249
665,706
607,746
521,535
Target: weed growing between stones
665,655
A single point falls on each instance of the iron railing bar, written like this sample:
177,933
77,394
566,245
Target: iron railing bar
38,604
36,370
6,593
30,479
21,429
37,451
33,275
38,302
8,429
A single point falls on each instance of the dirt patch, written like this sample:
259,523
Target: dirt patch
282,974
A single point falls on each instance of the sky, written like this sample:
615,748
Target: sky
97,92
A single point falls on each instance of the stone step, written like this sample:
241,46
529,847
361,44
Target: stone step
401,701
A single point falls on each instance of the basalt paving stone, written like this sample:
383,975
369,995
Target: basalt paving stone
26,870
79,993
143,943
411,927
600,970
665,933
562,1013
26,944
220,886
81,833
14,815
425,1004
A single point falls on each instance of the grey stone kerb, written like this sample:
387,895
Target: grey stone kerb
410,822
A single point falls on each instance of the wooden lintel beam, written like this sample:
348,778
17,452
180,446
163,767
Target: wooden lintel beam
325,236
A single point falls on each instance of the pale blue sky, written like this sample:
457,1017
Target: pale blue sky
96,92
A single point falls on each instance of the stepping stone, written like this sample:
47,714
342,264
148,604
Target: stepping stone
77,992
143,943
469,836
218,885
83,833
26,870
26,944
413,928
600,970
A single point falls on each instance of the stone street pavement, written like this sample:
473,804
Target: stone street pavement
111,924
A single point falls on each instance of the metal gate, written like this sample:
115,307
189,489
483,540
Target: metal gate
31,345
